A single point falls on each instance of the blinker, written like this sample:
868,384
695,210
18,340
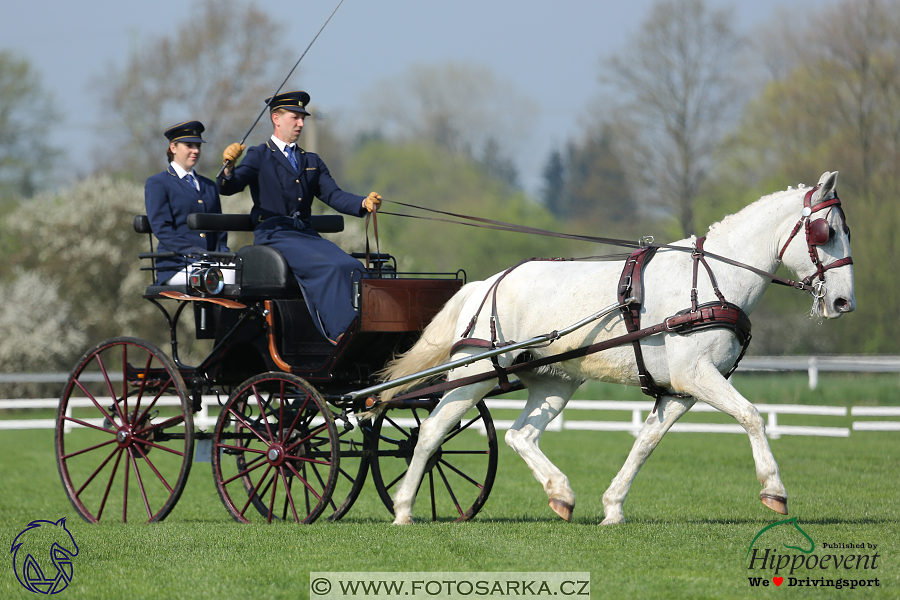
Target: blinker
819,232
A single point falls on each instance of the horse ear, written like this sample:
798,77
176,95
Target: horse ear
827,182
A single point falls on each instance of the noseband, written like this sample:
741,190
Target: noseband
818,233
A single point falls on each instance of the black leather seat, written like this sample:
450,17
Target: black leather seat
264,273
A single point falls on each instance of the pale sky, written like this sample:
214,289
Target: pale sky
550,51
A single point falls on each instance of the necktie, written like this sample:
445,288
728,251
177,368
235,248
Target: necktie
290,156
190,179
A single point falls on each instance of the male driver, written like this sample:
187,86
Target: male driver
283,179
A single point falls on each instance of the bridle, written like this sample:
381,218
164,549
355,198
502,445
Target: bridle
818,233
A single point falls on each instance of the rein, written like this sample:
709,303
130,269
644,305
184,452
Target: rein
484,223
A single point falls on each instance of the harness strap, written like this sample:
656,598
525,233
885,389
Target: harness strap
699,258
631,284
714,315
492,291
502,378
374,216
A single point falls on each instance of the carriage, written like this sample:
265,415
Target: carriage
282,449
287,443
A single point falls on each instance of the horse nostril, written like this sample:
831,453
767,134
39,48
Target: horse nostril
842,305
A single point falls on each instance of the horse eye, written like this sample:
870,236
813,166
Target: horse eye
831,233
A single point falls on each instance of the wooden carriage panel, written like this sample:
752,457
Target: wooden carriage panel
403,304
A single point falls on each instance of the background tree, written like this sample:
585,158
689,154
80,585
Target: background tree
554,178
587,187
218,66
596,184
462,108
24,129
71,275
675,86
425,175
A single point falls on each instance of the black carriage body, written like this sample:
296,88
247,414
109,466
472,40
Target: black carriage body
274,331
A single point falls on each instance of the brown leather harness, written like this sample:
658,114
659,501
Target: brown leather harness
716,314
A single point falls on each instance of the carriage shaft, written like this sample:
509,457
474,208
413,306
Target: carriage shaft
547,337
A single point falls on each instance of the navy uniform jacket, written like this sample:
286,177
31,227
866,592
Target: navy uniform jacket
278,190
169,200
282,201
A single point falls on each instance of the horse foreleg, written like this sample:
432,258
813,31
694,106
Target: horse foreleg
546,398
709,385
431,435
670,409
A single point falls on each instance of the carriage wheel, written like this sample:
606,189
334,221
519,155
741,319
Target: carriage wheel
124,433
458,477
276,449
354,465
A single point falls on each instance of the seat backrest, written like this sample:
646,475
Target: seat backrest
141,224
239,222
265,273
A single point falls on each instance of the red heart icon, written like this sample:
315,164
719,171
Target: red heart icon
778,580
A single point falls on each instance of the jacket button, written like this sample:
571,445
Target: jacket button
200,201
296,181
203,235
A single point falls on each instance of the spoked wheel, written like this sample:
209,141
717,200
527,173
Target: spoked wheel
124,433
458,477
354,465
276,451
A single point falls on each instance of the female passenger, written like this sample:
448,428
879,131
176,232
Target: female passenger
175,193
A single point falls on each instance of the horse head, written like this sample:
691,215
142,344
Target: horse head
817,249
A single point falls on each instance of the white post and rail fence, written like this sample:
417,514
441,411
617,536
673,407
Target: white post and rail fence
877,418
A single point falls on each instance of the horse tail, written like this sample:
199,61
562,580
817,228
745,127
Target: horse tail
433,347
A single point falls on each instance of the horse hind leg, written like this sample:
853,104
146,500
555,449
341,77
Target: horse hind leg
546,398
670,409
449,411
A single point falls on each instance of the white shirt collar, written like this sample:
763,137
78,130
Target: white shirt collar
281,143
180,171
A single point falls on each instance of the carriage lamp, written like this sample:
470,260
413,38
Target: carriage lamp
208,280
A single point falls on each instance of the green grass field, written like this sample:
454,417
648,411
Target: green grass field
692,514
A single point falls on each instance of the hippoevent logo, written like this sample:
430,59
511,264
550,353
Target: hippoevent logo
783,554
42,556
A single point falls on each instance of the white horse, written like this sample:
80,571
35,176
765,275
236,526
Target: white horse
539,297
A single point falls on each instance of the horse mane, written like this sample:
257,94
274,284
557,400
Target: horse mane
773,198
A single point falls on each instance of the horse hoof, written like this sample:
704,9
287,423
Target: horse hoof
776,503
610,521
407,520
563,509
